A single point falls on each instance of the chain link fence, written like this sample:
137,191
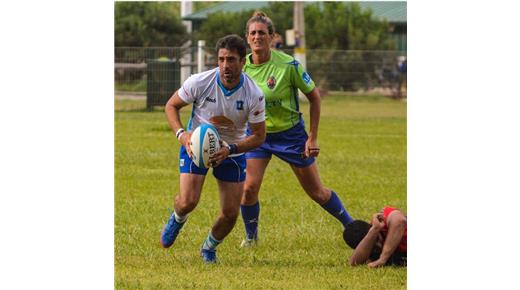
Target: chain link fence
382,72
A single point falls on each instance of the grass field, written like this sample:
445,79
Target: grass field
363,158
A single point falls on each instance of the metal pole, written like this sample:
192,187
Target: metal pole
200,55
299,31
186,8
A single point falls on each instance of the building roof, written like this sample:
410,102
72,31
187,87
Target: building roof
394,11
391,11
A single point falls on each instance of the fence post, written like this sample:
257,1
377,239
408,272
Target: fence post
200,55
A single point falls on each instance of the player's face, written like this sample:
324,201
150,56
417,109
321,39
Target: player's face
258,37
230,66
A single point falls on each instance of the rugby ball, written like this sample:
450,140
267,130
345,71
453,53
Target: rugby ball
204,142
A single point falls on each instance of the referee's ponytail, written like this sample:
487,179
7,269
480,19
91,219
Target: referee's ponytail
259,16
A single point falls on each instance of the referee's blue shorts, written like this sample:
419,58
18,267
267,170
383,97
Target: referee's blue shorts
287,145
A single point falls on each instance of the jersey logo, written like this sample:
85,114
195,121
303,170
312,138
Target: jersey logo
211,100
271,82
306,77
240,105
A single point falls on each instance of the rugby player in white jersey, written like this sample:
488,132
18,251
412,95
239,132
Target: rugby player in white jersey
228,99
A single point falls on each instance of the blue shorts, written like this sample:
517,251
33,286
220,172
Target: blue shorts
287,145
233,169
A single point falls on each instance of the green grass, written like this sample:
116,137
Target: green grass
134,86
363,158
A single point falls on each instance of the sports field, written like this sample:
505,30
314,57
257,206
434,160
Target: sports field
363,158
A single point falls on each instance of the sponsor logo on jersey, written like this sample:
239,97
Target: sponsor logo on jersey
209,99
273,103
240,105
306,77
271,82
257,112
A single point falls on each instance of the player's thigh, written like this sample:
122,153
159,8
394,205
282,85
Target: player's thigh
255,171
309,178
230,195
191,187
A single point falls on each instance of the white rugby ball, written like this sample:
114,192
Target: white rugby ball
205,141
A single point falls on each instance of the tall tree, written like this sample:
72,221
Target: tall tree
148,24
328,25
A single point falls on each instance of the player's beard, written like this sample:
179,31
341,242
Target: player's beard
230,77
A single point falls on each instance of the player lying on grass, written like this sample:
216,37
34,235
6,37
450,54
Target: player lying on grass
383,242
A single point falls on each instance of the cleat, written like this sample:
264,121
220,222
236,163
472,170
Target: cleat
249,243
170,232
208,256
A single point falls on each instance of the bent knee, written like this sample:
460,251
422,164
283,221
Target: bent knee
230,214
250,195
251,189
321,196
187,203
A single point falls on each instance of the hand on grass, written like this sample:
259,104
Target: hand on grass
377,263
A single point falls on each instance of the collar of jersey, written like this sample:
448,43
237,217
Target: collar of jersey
249,56
227,92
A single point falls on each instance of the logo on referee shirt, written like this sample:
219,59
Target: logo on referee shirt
271,82
306,77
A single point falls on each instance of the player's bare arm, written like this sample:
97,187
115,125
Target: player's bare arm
396,223
311,146
173,106
363,250
256,139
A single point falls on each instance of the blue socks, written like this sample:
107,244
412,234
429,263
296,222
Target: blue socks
250,215
336,209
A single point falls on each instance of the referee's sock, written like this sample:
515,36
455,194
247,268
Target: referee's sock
335,207
250,214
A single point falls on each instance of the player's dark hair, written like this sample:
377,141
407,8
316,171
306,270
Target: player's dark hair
355,232
232,42
259,16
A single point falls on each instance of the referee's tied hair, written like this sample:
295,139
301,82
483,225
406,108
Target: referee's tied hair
259,16
232,42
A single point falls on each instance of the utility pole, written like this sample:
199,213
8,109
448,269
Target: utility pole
299,32
186,8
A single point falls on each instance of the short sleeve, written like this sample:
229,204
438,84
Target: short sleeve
188,91
302,79
257,109
387,210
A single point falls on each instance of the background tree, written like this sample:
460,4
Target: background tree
340,26
147,24
220,24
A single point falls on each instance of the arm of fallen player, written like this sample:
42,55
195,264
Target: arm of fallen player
396,223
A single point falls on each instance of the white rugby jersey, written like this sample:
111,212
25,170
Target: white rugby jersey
228,110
